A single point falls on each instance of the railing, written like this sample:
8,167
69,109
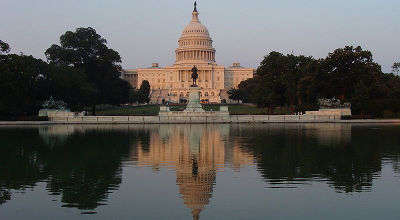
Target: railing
194,119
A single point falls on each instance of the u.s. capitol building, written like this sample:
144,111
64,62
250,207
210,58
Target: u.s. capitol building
172,83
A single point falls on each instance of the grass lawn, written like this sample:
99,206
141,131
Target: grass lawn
147,110
246,110
150,110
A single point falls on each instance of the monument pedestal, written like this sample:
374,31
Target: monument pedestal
194,100
194,113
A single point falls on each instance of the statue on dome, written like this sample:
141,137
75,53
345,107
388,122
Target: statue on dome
195,6
195,76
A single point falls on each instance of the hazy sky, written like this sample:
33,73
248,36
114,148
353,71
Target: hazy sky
146,31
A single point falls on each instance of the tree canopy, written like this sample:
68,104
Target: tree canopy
235,94
144,92
348,73
4,47
87,51
26,82
82,71
396,68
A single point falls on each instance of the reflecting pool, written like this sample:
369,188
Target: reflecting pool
270,171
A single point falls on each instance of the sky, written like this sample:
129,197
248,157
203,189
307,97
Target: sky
147,31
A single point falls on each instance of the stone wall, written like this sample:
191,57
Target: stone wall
337,112
180,117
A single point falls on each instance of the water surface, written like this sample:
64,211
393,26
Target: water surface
276,171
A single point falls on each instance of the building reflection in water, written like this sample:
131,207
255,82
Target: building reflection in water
196,153
346,157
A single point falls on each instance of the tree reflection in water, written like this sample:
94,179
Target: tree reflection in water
83,164
346,157
82,167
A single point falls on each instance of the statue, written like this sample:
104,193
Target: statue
53,104
195,6
333,104
195,76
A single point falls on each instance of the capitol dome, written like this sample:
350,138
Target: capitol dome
195,28
195,43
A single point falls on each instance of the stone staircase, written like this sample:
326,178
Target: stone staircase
157,95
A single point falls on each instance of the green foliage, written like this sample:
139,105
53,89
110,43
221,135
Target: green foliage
396,68
20,79
147,110
360,97
235,94
246,110
246,89
4,47
283,80
87,51
26,83
143,93
344,68
377,107
211,107
133,95
348,73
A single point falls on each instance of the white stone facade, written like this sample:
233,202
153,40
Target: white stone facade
195,48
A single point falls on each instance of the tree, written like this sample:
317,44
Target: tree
68,84
144,92
26,82
360,98
4,47
235,94
270,89
278,78
247,89
345,67
396,68
87,51
133,95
